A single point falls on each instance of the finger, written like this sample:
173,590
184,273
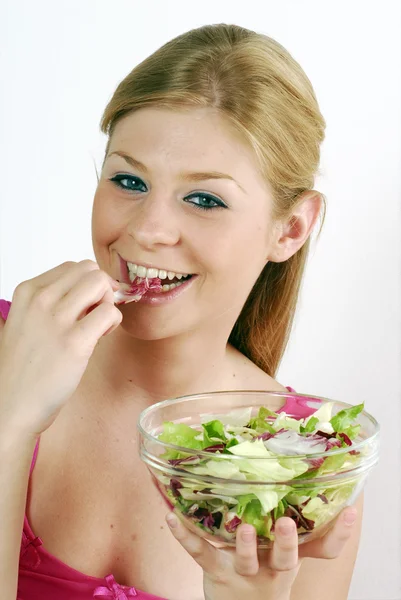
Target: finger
63,277
25,290
284,556
87,331
202,552
48,288
331,545
57,282
92,289
246,556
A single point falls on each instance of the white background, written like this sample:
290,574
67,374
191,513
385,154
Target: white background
60,64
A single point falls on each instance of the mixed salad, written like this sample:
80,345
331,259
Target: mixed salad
294,451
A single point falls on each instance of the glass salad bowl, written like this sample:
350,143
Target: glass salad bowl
225,458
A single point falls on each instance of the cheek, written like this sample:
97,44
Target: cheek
240,252
105,222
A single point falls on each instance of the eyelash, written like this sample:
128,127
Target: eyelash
117,180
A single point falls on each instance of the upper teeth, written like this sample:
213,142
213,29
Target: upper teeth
139,271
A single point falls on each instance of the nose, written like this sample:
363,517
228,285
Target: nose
154,222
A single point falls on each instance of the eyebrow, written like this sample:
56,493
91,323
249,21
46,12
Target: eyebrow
192,176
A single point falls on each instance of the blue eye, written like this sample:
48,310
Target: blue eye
129,183
205,201
201,201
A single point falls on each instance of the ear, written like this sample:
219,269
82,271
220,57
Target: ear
295,231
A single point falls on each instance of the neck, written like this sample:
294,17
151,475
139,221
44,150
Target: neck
139,372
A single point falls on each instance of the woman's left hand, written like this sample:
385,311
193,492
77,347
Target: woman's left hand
259,575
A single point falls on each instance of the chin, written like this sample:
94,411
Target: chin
153,330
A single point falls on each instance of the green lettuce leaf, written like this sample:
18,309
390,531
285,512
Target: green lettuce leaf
231,443
179,434
267,470
213,429
352,431
280,509
253,516
310,426
269,499
260,423
283,421
320,512
344,419
243,502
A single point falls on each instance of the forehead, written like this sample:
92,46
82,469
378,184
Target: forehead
195,138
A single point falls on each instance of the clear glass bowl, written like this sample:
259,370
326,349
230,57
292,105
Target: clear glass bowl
209,504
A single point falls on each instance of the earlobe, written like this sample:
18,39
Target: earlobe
297,229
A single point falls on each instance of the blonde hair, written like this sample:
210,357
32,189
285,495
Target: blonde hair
255,83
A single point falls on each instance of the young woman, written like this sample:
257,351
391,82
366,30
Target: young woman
213,145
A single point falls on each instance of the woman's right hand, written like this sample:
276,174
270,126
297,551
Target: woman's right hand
55,322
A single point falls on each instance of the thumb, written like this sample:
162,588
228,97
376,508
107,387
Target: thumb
202,552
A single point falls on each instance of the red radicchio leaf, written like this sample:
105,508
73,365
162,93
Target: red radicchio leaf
267,435
136,290
154,285
324,434
177,461
175,485
142,285
264,436
323,498
333,443
214,448
299,519
232,525
315,463
201,513
316,437
208,521
346,439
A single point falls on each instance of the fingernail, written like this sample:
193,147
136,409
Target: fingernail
350,517
172,520
248,534
286,530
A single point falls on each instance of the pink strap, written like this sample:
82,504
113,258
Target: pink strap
5,306
35,456
297,406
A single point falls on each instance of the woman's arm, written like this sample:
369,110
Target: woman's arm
15,461
329,579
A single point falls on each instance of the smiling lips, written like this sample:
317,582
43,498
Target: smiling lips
136,270
143,280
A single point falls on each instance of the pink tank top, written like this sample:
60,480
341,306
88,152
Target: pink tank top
44,577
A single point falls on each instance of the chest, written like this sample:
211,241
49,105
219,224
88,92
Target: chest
103,520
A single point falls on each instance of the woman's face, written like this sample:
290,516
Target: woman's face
180,192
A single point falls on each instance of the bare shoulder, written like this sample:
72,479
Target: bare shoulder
247,375
330,579
2,323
